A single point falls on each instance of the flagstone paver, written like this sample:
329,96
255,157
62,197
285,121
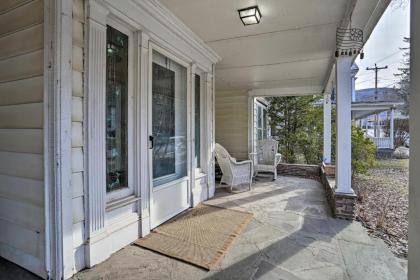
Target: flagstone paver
292,237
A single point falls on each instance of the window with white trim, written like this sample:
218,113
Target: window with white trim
262,129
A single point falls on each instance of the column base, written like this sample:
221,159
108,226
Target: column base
345,205
342,204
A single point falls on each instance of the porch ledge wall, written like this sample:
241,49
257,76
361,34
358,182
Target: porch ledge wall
299,170
342,205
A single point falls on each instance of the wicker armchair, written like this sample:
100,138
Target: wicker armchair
234,173
266,158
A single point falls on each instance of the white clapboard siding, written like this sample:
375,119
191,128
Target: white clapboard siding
77,58
21,42
225,109
22,91
77,159
77,184
21,238
232,100
22,66
78,34
22,140
226,131
7,5
79,10
28,191
78,211
231,122
77,134
22,116
77,84
24,214
22,17
77,110
22,165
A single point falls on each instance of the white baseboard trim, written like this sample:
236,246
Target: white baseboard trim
115,236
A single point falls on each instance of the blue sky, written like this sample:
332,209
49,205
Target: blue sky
383,48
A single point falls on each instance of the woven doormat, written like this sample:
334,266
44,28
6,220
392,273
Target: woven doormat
200,236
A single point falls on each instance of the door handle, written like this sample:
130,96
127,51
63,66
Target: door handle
151,140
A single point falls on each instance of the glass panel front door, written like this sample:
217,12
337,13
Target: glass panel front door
169,120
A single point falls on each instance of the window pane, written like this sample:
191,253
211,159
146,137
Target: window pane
259,116
169,119
265,123
197,121
264,119
116,109
260,134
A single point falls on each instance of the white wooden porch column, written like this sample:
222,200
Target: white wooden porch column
327,128
343,144
391,128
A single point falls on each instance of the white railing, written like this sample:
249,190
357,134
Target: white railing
382,142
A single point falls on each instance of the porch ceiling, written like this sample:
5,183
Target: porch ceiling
292,46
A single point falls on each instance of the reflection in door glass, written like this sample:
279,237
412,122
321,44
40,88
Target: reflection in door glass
116,109
169,119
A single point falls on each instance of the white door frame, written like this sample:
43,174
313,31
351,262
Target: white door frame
152,191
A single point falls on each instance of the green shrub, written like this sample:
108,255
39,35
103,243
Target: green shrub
297,123
362,151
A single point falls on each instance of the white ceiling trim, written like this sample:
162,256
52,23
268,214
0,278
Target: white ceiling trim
256,35
170,21
273,64
289,91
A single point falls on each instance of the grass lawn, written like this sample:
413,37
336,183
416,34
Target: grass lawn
392,163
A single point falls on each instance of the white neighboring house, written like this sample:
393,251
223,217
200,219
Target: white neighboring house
375,111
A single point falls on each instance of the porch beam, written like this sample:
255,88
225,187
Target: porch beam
286,91
327,128
343,139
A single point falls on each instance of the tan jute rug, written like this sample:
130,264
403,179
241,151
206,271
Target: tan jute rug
201,235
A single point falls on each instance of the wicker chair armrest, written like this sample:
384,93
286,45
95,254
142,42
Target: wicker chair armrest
243,166
243,162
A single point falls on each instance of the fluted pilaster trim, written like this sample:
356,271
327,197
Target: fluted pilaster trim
96,87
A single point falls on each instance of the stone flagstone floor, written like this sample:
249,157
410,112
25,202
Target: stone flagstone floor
291,237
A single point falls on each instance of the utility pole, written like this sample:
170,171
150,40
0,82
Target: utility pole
376,69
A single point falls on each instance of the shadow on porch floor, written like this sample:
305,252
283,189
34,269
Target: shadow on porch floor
292,236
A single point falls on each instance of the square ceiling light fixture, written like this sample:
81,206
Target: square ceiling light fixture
250,15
